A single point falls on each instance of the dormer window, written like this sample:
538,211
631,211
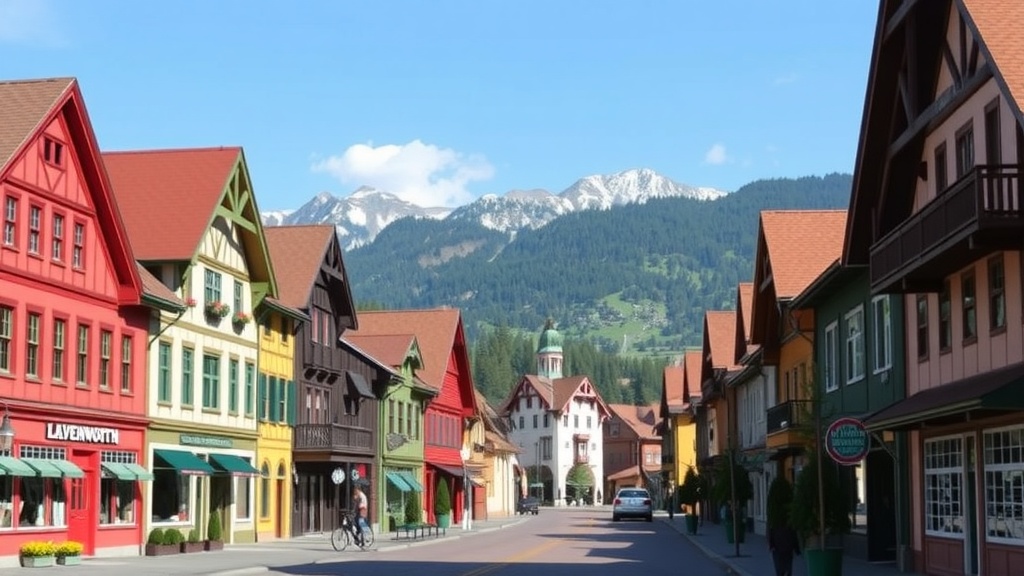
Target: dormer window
53,152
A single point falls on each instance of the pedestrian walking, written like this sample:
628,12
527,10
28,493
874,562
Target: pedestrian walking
783,543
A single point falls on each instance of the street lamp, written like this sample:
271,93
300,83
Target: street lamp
6,431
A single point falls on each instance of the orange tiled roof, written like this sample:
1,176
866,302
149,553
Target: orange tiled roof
746,304
998,23
691,365
167,197
296,253
640,418
24,106
673,386
434,329
801,244
389,349
721,327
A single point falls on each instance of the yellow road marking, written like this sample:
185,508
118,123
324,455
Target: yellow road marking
524,555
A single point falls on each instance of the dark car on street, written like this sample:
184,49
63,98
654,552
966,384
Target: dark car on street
528,505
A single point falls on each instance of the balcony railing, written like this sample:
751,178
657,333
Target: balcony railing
980,213
787,415
332,437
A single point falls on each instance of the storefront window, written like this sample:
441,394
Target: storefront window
172,494
859,511
117,497
1004,485
6,501
943,487
43,500
243,496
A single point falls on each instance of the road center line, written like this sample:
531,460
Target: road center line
525,555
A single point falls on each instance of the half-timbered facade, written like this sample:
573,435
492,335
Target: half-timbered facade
937,214
72,333
335,439
193,223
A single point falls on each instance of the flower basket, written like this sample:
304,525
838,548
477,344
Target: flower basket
241,318
37,554
190,302
217,309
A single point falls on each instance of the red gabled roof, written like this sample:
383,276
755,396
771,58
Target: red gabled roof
801,244
168,197
673,397
26,107
721,329
297,253
692,362
390,349
746,302
641,419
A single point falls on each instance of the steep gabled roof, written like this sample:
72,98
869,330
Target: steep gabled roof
297,253
692,361
26,108
801,244
744,303
435,330
640,419
672,390
997,23
157,292
390,349
721,329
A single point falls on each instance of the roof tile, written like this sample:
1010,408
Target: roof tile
296,252
24,105
801,245
998,22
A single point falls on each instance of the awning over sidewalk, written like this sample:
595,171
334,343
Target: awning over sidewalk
233,465
43,467
411,480
140,472
996,391
397,481
184,462
456,471
11,466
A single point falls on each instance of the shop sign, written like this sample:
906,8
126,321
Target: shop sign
81,433
207,441
338,476
847,441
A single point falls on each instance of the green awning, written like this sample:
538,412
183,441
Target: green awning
140,472
45,468
14,467
68,468
397,481
411,480
233,465
184,462
117,470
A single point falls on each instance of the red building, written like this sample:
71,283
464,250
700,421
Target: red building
446,368
72,332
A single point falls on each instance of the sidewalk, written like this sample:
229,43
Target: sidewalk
756,560
244,559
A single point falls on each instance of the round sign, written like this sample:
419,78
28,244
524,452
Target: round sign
847,441
338,475
355,475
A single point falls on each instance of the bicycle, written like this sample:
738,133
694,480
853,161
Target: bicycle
347,533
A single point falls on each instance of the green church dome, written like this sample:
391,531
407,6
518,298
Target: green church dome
550,339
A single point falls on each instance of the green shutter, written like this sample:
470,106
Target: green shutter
262,399
292,414
272,385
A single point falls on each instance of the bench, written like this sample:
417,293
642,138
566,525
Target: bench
416,531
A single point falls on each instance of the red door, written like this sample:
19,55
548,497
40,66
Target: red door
82,492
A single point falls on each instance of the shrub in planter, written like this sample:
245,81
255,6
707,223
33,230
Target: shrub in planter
413,511
69,553
722,492
691,491
808,519
155,545
173,537
443,504
213,533
192,543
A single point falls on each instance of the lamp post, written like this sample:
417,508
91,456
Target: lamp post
6,431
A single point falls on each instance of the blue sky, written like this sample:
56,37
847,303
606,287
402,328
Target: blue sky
441,101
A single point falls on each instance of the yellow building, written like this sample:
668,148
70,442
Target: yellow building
678,427
276,414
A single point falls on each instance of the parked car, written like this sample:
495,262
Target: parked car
632,503
528,505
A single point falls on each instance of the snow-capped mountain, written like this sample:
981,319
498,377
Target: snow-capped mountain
363,214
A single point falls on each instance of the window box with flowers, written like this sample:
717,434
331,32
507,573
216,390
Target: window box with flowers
217,309
38,554
241,318
69,553
190,302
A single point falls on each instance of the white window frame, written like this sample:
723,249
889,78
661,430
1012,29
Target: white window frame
831,357
1011,449
951,472
854,363
882,332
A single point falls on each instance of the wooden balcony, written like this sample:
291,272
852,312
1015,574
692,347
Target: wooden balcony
332,437
981,213
784,423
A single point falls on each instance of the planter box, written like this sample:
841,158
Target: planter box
37,561
162,549
213,545
69,560
191,547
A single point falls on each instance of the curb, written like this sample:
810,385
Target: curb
241,571
715,556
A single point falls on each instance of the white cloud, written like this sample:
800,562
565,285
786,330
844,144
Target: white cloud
716,155
423,174
31,22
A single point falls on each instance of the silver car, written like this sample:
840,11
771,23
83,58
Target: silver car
632,503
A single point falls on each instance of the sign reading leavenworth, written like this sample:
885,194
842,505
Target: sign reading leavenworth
81,433
847,441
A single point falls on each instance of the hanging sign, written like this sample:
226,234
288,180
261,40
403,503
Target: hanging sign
847,441
338,476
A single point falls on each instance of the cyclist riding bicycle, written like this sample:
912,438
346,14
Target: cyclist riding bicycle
359,502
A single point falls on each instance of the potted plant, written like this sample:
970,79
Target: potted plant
37,554
213,533
733,487
217,309
241,318
155,545
443,505
192,542
815,524
690,492
69,553
413,513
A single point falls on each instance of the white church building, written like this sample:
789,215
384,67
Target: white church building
556,421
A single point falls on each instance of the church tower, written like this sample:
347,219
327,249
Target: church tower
549,352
